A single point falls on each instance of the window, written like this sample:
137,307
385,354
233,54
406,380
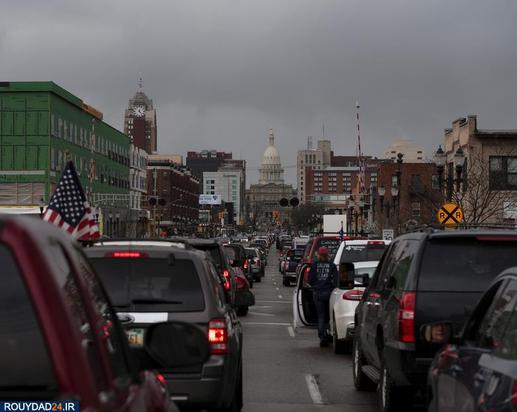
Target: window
503,173
25,359
415,209
435,182
493,323
107,323
416,184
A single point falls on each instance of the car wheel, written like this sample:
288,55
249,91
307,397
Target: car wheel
391,397
361,381
242,311
286,282
237,399
339,346
258,279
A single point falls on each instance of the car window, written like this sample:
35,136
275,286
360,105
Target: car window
384,267
216,283
402,258
25,361
493,323
215,253
112,337
75,302
508,347
148,285
362,253
331,244
464,264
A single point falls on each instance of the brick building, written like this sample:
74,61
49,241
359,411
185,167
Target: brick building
206,161
173,197
409,203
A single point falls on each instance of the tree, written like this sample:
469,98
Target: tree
304,217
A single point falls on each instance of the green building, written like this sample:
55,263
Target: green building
42,126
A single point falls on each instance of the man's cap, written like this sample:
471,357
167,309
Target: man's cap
323,251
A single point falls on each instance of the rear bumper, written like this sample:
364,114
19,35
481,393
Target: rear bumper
406,369
290,275
244,298
202,389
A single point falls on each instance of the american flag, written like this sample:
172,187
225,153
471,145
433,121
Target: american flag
68,207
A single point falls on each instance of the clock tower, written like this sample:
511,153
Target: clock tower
140,121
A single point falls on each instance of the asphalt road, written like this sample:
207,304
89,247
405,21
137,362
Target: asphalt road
286,370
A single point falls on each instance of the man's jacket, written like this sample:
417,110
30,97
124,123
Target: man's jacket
323,276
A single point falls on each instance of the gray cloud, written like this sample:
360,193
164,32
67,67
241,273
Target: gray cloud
222,72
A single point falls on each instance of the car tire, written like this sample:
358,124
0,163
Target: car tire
361,381
286,282
258,279
242,311
391,397
237,398
339,346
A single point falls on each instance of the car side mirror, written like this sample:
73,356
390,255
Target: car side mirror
176,344
437,332
362,280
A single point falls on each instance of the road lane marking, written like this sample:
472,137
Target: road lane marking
265,324
291,331
280,296
261,314
277,288
314,390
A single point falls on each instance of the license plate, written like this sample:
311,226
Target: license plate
135,337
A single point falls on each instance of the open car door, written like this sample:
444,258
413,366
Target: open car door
304,311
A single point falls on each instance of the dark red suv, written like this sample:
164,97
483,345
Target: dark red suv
60,338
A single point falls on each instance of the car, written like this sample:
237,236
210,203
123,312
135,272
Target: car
239,258
293,258
342,305
423,277
235,283
149,284
304,311
61,337
477,369
256,266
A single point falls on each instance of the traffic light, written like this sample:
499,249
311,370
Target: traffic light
293,202
155,200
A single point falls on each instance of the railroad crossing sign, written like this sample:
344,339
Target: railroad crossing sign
450,214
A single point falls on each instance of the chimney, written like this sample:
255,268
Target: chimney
473,123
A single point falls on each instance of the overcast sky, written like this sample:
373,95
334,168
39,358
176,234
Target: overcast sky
222,72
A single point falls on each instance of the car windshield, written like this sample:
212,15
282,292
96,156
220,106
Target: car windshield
148,285
251,252
365,271
214,252
465,264
362,253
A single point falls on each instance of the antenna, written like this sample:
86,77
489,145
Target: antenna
309,143
323,130
140,83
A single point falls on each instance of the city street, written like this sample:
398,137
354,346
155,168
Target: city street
286,370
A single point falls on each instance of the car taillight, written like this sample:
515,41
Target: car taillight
241,283
375,242
306,274
161,379
353,295
407,317
226,275
246,264
125,254
218,336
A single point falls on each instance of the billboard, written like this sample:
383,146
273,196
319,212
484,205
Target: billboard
210,199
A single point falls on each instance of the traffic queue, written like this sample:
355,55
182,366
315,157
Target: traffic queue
430,318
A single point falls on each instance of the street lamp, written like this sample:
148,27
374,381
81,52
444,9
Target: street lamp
440,159
382,192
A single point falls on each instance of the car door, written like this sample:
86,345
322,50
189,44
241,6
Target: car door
371,306
472,369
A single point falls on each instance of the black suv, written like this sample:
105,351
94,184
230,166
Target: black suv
422,278
150,282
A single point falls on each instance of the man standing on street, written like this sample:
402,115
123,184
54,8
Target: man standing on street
323,278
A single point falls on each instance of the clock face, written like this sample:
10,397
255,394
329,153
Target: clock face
139,111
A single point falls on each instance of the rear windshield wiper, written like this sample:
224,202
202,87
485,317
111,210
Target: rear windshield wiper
150,301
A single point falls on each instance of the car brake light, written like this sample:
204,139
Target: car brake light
125,254
306,274
226,275
407,317
218,336
353,295
497,238
375,242
246,264
241,283
161,379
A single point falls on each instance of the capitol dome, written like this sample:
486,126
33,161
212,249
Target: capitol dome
271,170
